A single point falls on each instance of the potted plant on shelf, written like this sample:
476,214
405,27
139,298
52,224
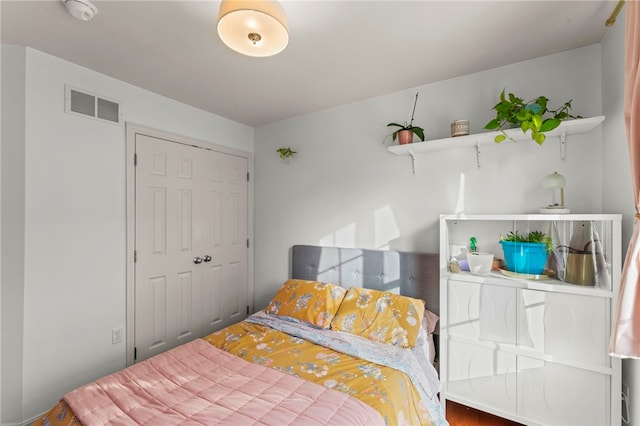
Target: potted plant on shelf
513,111
526,254
406,131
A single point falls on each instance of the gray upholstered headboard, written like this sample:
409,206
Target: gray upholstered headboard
411,274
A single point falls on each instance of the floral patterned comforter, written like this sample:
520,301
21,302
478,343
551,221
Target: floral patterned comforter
400,384
397,382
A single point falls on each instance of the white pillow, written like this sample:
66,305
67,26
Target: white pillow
425,348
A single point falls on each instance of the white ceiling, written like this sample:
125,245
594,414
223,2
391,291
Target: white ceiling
339,51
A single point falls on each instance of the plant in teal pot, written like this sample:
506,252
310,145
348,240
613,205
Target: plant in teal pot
526,254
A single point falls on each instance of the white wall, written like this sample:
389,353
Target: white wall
344,188
12,226
618,196
74,226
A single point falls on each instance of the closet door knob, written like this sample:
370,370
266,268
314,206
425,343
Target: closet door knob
197,260
207,258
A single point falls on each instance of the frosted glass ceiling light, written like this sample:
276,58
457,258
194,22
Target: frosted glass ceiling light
83,10
555,181
253,27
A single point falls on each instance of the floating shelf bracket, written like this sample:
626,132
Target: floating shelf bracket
563,146
477,155
413,161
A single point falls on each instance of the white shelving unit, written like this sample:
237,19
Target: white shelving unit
566,128
533,351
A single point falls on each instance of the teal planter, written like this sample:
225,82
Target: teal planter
525,258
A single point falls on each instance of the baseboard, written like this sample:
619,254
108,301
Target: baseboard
27,422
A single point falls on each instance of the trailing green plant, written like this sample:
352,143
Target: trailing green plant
285,152
418,131
513,111
531,237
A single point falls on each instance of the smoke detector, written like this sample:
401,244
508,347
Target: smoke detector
81,9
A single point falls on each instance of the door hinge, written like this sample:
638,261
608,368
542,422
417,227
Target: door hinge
247,243
135,256
135,353
247,309
135,159
247,176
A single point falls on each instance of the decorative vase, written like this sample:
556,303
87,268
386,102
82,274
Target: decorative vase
405,136
582,255
581,269
525,258
460,128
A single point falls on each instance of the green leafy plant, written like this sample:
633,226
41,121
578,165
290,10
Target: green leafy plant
513,111
285,152
531,237
418,131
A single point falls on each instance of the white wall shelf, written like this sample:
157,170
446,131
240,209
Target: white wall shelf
568,127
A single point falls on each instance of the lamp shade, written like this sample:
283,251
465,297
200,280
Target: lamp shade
253,27
554,180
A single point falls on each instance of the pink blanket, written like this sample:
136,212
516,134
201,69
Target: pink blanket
198,384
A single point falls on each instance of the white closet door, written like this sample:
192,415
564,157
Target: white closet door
224,239
191,210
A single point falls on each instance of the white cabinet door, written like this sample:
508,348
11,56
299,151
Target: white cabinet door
482,312
567,327
463,309
561,395
483,375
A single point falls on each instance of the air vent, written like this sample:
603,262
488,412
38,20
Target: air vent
87,104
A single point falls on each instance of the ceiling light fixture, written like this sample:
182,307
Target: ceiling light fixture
253,27
83,10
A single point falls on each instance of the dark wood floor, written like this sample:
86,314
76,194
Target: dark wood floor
460,415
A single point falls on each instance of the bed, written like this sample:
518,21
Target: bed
348,340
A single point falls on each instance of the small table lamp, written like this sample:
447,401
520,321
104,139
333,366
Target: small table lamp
555,181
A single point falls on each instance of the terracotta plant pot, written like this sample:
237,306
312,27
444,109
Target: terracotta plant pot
405,136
